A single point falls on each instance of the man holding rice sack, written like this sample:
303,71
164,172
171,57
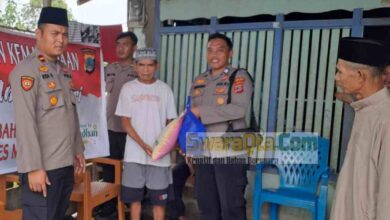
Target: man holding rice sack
146,105
219,188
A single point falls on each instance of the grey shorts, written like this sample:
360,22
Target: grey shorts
136,177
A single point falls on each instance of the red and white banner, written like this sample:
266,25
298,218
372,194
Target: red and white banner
85,63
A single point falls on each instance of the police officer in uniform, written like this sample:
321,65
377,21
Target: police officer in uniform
117,74
50,148
219,188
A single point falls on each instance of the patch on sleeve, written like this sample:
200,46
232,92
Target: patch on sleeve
27,82
239,79
238,87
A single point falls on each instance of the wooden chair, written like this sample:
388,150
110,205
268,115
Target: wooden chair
89,194
8,214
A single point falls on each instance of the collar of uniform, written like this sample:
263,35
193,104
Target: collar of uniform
122,68
227,70
37,53
126,67
374,99
126,70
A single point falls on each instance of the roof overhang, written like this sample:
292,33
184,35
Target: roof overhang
80,2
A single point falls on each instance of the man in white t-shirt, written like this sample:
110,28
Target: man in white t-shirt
146,105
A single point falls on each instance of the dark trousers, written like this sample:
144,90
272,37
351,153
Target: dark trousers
117,142
219,190
53,207
180,173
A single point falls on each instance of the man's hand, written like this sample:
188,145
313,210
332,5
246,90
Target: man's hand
196,111
182,153
79,164
190,166
37,181
148,150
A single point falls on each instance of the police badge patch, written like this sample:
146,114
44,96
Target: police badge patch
89,60
27,82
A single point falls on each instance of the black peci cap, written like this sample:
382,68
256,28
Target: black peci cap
51,15
364,51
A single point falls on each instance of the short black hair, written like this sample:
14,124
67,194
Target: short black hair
222,37
128,34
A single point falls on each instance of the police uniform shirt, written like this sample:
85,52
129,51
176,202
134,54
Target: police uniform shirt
48,134
116,75
209,93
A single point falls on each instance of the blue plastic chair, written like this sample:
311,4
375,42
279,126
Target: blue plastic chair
298,185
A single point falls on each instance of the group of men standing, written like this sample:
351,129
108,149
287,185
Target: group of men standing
139,106
135,113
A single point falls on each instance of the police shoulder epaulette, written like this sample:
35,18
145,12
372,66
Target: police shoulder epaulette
41,58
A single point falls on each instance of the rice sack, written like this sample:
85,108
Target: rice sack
166,141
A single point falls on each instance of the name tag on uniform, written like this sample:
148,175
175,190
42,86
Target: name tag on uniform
223,84
199,86
47,75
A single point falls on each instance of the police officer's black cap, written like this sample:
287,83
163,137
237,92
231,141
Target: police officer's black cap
51,15
364,51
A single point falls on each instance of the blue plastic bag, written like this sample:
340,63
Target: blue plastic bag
192,132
